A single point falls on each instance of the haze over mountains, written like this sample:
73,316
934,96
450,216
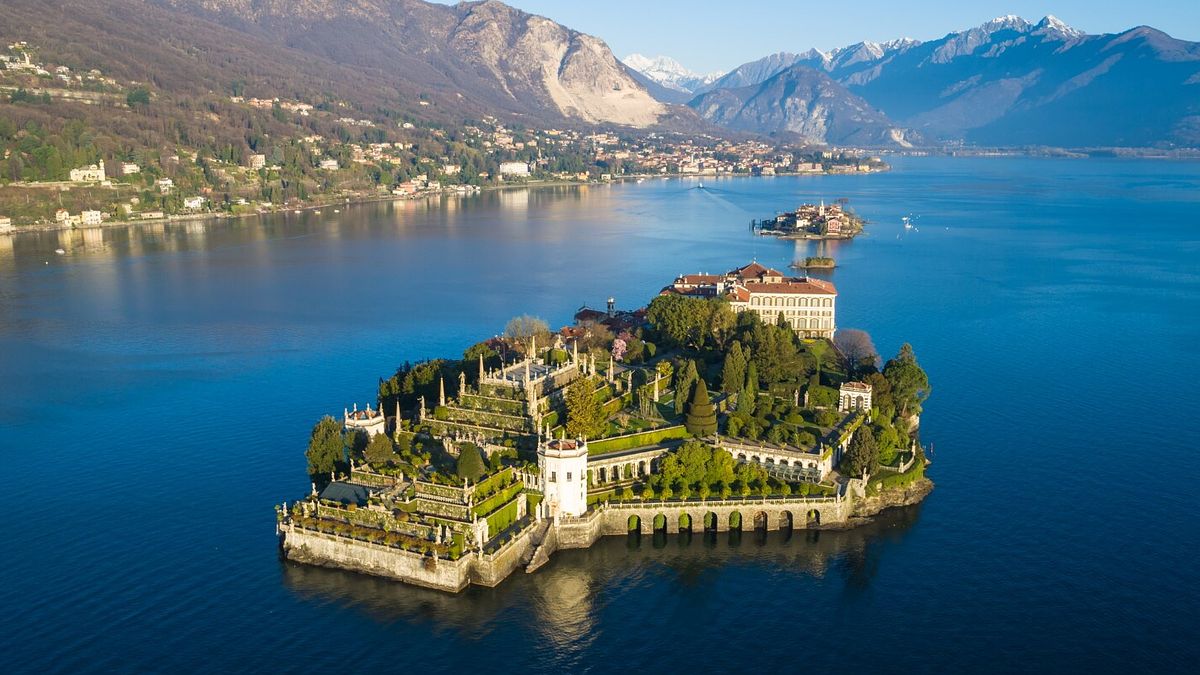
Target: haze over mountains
1007,82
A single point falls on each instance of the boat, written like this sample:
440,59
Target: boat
59,251
297,211
907,220
337,210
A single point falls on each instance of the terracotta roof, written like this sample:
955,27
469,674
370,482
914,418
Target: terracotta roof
799,286
754,270
698,279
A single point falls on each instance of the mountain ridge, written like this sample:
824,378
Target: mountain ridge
1013,82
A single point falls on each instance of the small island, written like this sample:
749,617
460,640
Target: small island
813,221
815,263
730,402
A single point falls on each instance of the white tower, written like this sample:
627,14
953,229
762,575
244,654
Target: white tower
563,464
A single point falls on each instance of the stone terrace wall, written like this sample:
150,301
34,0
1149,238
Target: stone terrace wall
316,548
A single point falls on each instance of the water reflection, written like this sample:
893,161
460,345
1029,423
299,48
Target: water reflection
564,595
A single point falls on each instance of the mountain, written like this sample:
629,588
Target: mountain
803,102
755,72
1012,82
499,56
670,73
469,59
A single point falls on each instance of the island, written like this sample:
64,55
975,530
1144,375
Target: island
813,221
815,263
730,402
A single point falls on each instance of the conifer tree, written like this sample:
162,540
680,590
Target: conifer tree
470,463
702,414
733,372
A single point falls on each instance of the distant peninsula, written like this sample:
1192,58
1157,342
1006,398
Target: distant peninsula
730,402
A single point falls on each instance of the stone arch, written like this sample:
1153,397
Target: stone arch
760,520
635,523
785,520
603,475
642,468
710,520
735,521
685,522
660,522
628,471
741,456
814,517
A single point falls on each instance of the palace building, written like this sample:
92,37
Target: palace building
808,304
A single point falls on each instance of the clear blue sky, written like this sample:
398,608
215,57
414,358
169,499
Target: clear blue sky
707,35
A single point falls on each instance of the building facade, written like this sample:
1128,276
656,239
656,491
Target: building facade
93,173
370,421
808,305
854,396
563,464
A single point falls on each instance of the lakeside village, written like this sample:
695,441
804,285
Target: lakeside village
813,221
268,153
731,402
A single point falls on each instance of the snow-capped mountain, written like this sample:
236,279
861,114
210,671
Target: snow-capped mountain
669,73
1007,81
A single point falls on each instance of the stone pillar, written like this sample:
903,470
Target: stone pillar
421,410
441,391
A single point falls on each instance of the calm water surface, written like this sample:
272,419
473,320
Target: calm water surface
157,385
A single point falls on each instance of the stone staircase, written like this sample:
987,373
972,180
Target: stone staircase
545,543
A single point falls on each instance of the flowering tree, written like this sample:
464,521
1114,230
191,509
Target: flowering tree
618,349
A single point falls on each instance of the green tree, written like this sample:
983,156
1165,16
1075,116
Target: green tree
470,463
326,451
585,414
862,457
137,96
818,348
702,414
685,379
355,441
733,372
909,383
379,450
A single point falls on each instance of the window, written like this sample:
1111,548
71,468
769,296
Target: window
568,476
553,476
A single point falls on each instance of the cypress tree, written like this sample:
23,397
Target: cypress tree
685,378
702,414
733,373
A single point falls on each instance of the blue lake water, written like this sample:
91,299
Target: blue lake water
157,385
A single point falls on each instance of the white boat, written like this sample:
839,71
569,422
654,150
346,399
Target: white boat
337,210
59,251
907,222
297,211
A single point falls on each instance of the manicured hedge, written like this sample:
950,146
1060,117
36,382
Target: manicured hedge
630,441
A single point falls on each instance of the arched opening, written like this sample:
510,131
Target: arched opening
760,520
603,475
628,471
642,468
710,521
814,518
785,520
685,522
660,523
735,521
635,524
